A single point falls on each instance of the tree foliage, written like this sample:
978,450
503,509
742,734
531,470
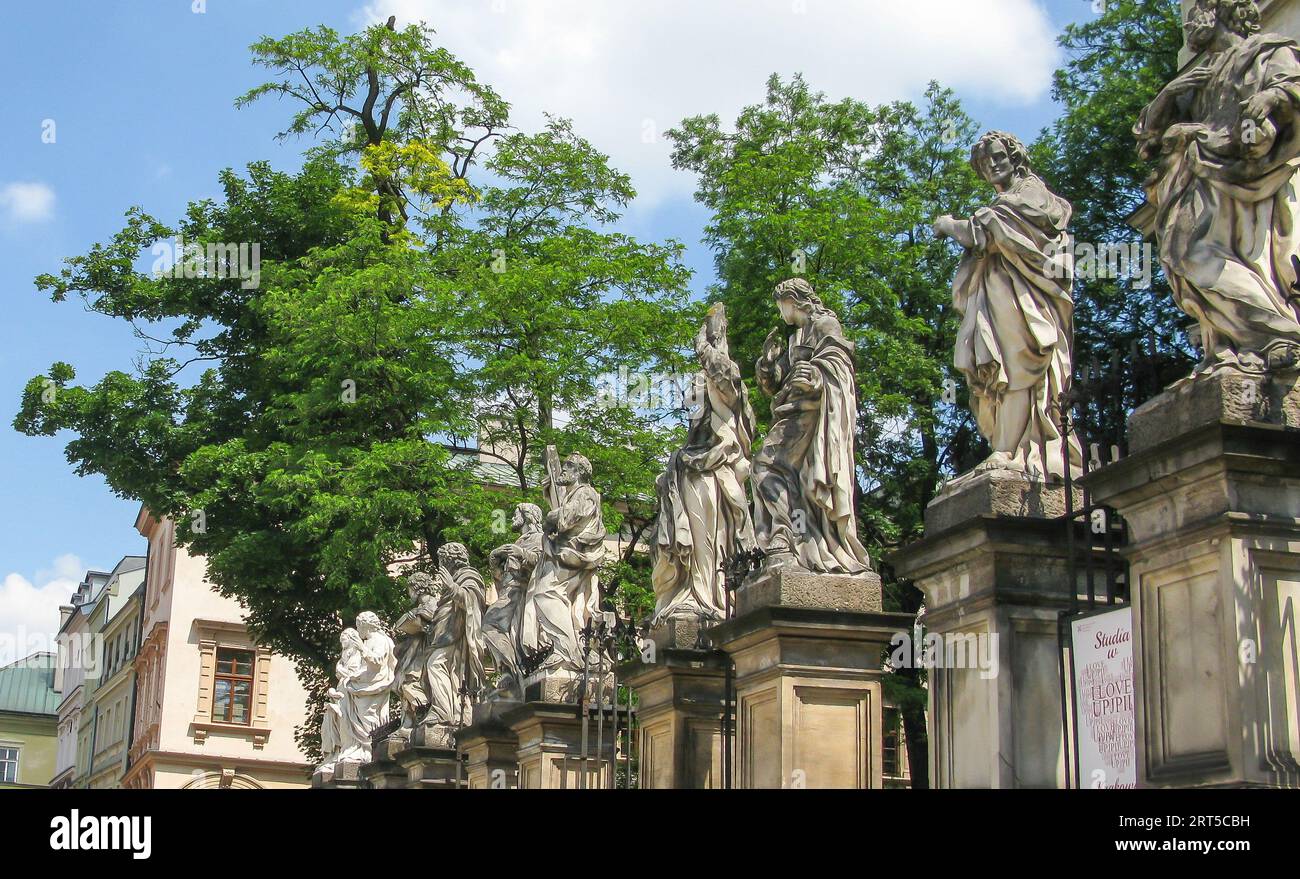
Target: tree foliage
429,278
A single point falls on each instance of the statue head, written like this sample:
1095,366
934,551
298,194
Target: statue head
576,470
453,556
797,302
349,639
527,517
1000,159
368,623
1208,18
420,584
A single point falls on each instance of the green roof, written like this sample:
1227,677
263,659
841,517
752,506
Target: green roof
27,686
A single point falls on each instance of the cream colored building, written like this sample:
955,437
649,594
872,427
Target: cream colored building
212,708
77,656
110,691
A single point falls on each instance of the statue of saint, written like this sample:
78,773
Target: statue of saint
358,702
511,570
564,592
703,508
441,663
1227,151
804,476
1015,345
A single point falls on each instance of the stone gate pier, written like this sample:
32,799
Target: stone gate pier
994,569
1211,494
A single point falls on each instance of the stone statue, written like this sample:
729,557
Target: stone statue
703,507
804,476
1227,148
1015,345
440,658
564,591
511,570
358,703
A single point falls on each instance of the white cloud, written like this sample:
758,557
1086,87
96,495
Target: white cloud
29,609
628,71
27,202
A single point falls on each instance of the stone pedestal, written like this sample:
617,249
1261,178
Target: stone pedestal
399,764
679,708
383,772
1211,495
550,747
994,568
490,748
344,776
808,680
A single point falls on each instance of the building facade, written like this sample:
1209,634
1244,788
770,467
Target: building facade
213,709
110,690
75,657
28,722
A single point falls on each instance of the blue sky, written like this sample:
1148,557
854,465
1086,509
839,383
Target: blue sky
141,99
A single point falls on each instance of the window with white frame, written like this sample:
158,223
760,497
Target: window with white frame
8,764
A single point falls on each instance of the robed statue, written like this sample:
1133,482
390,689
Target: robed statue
440,648
357,704
564,591
1227,150
804,476
704,517
512,568
1012,290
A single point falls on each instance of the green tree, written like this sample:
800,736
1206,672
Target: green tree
306,428
845,194
1129,339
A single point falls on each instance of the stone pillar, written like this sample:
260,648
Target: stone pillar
400,764
679,710
808,650
383,772
994,570
1210,491
550,747
344,776
490,748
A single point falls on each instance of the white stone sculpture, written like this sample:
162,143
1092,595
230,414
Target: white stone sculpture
512,567
704,517
358,702
803,477
1015,345
440,648
564,591
1227,148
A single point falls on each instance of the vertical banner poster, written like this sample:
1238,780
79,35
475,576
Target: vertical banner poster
1104,710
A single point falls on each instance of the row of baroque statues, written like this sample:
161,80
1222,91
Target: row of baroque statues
1227,151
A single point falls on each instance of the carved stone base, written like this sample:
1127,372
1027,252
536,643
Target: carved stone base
563,685
340,776
679,633
680,704
996,493
550,748
788,587
1228,397
1211,496
400,764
